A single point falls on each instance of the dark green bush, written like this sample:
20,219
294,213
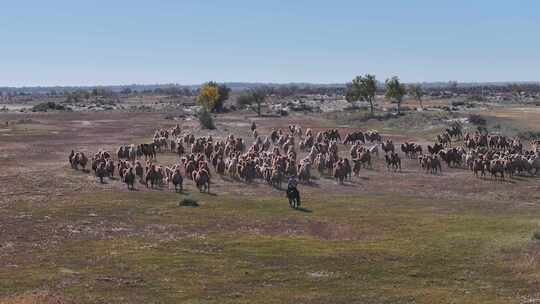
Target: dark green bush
205,119
188,202
49,106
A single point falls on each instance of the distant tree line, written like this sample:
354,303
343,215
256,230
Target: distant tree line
294,90
85,95
280,90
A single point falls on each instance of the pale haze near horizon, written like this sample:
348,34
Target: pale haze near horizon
189,42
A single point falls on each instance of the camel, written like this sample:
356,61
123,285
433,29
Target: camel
354,137
437,147
357,165
365,159
495,167
452,157
177,180
149,151
78,159
431,163
340,171
373,136
109,167
129,179
220,166
435,164
444,139
411,150
393,161
139,170
534,162
348,168
202,180
153,176
320,162
101,172
276,178
374,150
455,131
304,172
132,153
479,166
71,157
388,146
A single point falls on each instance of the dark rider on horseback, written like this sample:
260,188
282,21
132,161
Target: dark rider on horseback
292,193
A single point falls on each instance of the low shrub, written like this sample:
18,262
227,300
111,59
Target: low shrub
188,202
206,120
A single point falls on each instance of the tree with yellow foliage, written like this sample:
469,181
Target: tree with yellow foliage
208,97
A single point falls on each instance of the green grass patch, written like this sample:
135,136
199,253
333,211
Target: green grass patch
380,249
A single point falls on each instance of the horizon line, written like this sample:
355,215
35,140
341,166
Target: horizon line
253,83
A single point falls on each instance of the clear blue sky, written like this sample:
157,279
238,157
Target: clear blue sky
89,42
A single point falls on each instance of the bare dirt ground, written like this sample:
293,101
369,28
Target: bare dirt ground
45,205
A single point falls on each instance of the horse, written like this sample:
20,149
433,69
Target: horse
294,197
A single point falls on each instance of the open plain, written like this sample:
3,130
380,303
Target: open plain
381,237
